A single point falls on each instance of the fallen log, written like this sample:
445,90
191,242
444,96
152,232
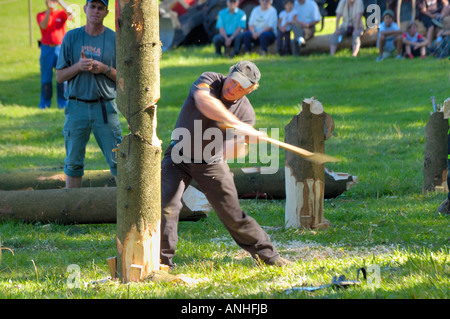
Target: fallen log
37,180
82,205
251,182
321,43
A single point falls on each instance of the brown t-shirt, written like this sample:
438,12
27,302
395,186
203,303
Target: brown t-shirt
198,137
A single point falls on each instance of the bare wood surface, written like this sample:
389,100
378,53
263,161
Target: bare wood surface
305,180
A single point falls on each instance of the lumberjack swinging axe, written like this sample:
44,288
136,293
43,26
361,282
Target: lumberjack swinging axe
317,158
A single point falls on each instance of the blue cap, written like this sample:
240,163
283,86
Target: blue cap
388,12
105,2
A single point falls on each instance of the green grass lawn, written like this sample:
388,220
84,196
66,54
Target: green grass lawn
380,112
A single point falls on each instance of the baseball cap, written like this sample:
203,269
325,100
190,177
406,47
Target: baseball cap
246,73
388,12
105,2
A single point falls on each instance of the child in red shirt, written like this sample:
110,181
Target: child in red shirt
415,43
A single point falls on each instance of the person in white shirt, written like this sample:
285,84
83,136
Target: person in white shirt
389,37
286,20
351,12
308,15
262,27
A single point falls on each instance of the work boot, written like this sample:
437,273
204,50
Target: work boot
279,262
444,208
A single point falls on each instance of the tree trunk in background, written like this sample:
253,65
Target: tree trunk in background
139,154
305,180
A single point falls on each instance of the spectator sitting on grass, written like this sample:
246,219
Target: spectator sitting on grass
414,43
231,23
429,14
351,12
285,21
441,47
262,27
444,13
308,15
389,37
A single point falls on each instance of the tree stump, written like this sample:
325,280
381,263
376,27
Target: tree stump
305,180
435,152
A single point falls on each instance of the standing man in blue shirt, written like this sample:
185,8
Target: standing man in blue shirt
231,23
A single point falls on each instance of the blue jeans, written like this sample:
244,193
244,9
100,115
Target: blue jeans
219,42
47,60
264,40
216,181
284,43
82,119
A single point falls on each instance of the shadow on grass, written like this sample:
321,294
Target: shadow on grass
24,91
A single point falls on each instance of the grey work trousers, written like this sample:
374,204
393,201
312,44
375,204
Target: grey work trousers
217,183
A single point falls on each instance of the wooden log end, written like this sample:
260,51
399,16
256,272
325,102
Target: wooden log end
136,273
112,265
322,225
315,106
163,267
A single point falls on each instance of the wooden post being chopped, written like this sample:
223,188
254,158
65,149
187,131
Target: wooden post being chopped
139,154
305,180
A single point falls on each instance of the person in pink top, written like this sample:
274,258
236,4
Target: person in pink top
52,23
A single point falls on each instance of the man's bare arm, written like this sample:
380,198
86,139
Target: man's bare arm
70,72
214,109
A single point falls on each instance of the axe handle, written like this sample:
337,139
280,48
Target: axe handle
313,157
297,150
